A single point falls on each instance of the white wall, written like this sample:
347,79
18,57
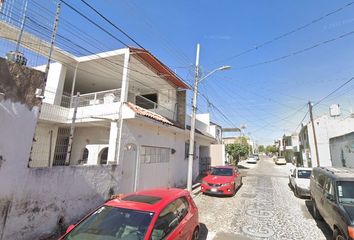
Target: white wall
217,154
327,127
33,199
342,147
87,135
42,145
55,83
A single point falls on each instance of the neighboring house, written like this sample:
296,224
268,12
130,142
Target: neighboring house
125,107
326,127
342,150
289,148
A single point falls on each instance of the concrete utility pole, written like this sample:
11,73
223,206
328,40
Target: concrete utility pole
197,80
194,112
314,134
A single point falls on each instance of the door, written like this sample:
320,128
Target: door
329,203
129,164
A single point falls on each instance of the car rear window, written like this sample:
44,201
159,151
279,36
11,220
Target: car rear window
221,171
142,199
304,173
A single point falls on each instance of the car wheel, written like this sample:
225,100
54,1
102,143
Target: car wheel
315,211
195,235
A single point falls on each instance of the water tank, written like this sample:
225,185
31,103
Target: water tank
16,57
334,110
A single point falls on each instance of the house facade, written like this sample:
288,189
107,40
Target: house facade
342,150
326,127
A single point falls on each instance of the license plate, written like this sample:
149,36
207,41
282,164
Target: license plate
213,190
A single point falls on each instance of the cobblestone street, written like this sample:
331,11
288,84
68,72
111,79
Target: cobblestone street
263,208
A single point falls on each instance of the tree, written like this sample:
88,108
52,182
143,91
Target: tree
237,150
271,149
261,148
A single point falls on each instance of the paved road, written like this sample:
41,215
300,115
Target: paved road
263,208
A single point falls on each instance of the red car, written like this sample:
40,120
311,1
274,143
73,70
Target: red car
145,215
223,180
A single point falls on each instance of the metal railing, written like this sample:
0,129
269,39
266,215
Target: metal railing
90,99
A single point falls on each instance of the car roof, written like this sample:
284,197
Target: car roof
303,168
160,197
339,172
231,167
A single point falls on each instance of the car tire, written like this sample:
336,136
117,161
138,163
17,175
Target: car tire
316,213
296,191
195,235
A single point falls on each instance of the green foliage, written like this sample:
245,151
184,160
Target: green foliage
261,148
271,149
237,150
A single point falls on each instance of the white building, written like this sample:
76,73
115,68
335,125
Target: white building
342,150
326,127
122,107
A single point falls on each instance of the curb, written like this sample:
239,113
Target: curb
196,190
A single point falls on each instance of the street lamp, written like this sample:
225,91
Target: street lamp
194,111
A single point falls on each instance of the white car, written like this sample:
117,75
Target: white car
251,160
280,161
299,181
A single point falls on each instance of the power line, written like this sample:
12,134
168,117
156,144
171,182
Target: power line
335,90
112,24
288,33
297,52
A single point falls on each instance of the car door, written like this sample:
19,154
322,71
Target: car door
172,222
329,203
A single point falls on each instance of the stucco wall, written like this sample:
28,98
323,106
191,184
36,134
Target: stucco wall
33,200
217,154
342,150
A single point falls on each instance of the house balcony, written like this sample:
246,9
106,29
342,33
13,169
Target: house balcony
97,106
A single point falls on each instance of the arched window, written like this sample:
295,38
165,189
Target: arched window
103,155
85,154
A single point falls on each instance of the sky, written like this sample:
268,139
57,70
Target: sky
268,98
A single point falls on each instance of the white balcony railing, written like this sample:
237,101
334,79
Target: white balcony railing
89,99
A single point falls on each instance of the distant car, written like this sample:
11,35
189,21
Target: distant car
223,180
299,181
332,195
146,215
256,156
280,161
251,160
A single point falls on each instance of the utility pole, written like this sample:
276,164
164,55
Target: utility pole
194,112
314,134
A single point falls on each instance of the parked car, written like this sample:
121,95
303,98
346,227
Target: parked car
146,215
332,194
280,161
299,181
223,180
251,160
256,156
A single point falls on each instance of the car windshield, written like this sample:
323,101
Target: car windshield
112,223
221,171
303,173
345,192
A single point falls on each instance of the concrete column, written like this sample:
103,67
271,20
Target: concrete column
115,137
55,84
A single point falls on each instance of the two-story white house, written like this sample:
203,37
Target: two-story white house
121,107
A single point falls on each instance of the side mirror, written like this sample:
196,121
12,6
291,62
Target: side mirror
330,197
70,228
